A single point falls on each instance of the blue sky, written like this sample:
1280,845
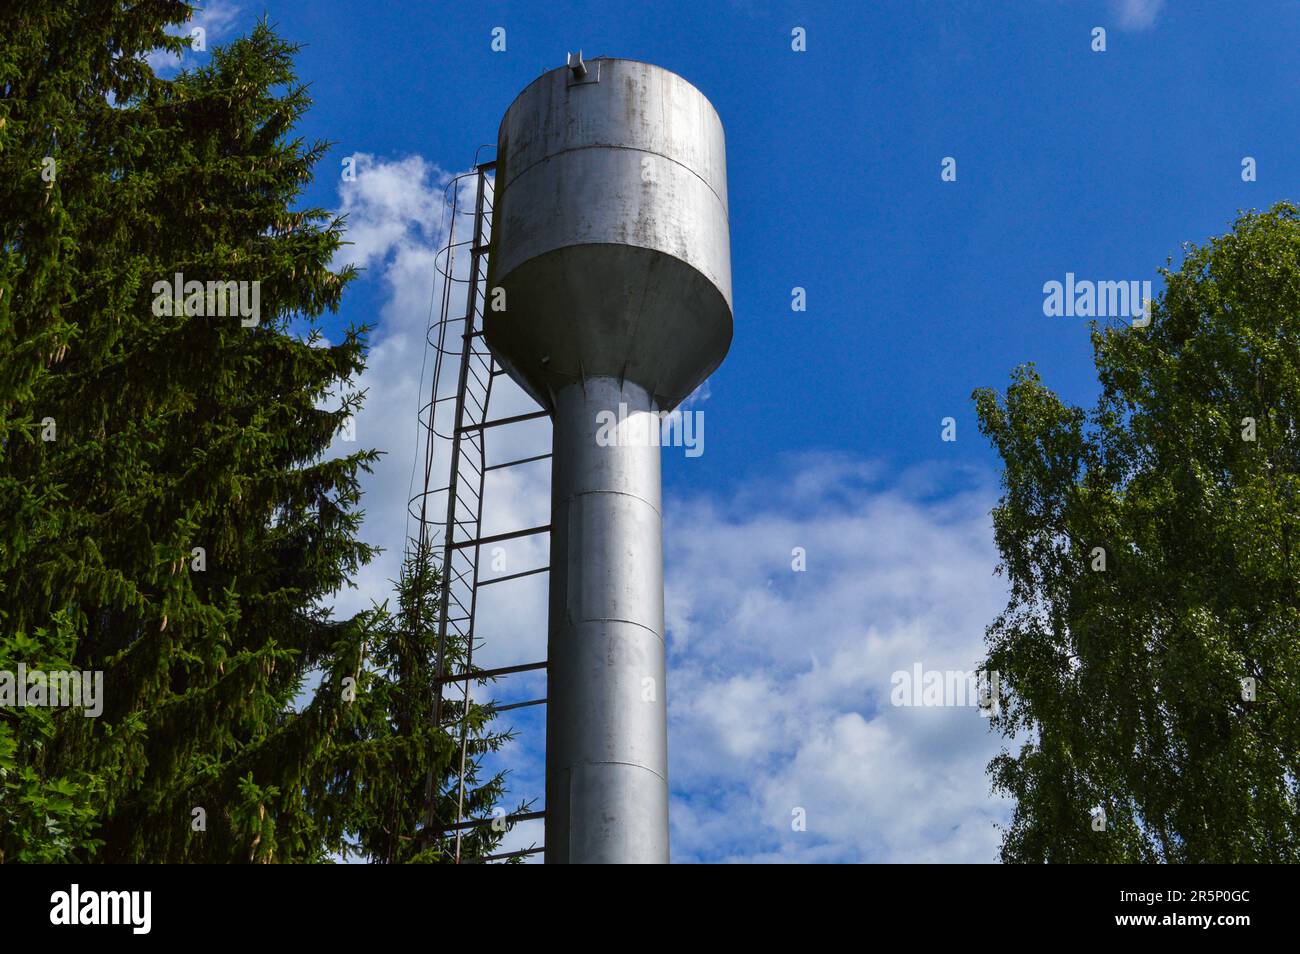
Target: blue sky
919,290
823,427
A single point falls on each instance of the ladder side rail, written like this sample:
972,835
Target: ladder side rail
476,257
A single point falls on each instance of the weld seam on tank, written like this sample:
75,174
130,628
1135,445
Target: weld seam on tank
621,493
628,622
640,765
608,146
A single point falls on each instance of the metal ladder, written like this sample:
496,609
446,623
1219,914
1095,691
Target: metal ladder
457,532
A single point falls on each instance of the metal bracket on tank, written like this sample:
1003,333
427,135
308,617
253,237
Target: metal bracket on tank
580,73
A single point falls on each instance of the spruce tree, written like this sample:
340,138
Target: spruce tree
170,511
409,820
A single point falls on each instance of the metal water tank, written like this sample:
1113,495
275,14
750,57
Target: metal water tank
610,252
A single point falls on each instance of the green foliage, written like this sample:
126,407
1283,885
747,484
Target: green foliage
1126,683
223,670
396,738
47,816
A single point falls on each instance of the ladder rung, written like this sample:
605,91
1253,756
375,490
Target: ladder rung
493,673
460,577
519,705
504,420
469,394
497,537
508,819
512,463
505,854
469,368
513,576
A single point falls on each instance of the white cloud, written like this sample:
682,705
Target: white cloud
213,17
391,210
394,209
396,224
779,680
1136,14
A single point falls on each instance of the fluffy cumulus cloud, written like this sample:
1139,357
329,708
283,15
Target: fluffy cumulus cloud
398,218
393,222
779,680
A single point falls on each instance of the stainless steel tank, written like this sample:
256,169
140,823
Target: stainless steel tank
610,242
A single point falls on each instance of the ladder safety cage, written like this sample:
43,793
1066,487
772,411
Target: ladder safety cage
448,511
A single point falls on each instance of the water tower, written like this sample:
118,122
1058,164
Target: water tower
610,242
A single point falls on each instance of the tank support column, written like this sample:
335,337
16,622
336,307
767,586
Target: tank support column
606,727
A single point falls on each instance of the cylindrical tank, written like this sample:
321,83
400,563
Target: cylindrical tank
610,252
